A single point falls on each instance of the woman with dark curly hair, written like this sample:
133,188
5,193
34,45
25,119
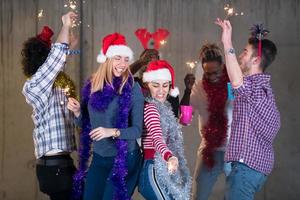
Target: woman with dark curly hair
35,51
209,97
47,90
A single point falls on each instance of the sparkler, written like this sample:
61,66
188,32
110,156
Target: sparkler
41,14
230,11
191,65
163,42
72,5
67,91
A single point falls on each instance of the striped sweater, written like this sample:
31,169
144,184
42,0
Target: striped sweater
152,139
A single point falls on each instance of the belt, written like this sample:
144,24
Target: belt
54,162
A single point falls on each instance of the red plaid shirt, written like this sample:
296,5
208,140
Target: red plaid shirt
256,121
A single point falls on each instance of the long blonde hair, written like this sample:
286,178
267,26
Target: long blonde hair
104,74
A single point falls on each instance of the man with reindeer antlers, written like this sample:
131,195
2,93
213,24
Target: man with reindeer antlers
151,54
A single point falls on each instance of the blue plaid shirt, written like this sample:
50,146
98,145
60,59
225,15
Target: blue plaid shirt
54,123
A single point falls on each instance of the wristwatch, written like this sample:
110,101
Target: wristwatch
231,51
116,133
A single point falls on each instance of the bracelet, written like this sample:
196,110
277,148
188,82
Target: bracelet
73,52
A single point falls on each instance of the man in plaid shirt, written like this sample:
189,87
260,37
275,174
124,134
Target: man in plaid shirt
256,119
54,129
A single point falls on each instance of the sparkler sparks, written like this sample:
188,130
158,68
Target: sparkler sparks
163,42
230,11
73,5
191,65
41,14
67,91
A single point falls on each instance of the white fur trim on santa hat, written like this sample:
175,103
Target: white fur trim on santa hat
101,58
115,50
160,74
174,92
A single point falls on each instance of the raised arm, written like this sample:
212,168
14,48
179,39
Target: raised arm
146,57
189,81
233,68
39,86
67,20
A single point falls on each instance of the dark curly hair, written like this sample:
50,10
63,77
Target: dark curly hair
210,52
34,54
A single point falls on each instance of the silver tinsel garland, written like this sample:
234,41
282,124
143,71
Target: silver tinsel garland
177,185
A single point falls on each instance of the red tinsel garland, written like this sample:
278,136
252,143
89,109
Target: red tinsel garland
215,130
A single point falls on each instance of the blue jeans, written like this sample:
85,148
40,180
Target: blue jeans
98,183
243,182
206,178
148,185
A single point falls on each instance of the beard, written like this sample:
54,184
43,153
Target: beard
245,67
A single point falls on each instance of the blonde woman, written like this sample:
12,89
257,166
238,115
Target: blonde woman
111,117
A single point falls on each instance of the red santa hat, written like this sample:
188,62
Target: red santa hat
114,44
161,70
45,35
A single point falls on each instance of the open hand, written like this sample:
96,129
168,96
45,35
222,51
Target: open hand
227,30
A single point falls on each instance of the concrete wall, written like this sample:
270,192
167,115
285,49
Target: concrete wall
190,23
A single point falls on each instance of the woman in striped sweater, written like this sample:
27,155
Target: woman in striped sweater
164,174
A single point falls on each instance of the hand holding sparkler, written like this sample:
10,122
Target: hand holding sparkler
233,69
72,5
68,19
227,31
172,164
74,106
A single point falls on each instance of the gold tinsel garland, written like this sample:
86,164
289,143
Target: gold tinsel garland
64,82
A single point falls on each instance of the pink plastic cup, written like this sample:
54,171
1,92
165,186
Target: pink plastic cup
186,114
